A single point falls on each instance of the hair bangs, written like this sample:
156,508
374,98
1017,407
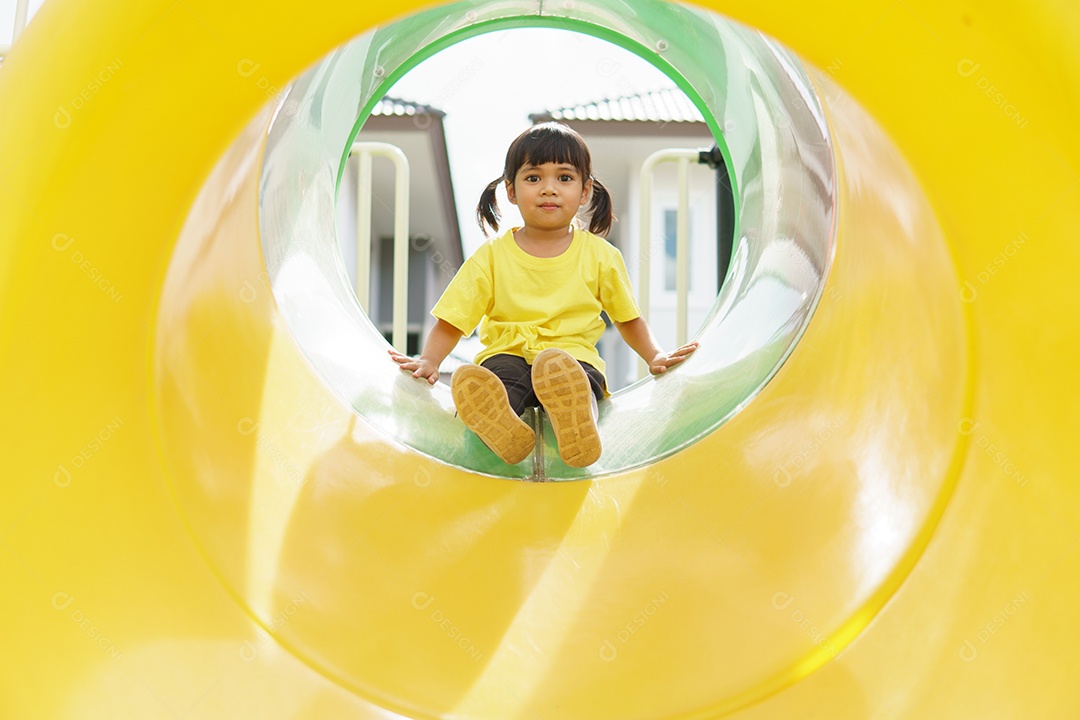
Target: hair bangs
549,142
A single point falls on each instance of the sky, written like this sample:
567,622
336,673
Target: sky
488,86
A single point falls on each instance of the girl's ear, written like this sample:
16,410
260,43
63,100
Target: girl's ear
510,193
585,190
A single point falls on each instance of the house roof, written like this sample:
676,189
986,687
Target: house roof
396,107
667,105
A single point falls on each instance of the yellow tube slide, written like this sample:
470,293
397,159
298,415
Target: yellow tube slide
193,525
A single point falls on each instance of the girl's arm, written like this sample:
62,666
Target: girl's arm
639,337
440,341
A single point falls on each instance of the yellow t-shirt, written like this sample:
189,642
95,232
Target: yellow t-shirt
525,304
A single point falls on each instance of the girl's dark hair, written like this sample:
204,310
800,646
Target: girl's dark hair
544,143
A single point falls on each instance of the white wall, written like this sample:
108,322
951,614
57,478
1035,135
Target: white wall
617,161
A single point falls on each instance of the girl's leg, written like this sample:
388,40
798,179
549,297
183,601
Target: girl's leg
596,379
515,374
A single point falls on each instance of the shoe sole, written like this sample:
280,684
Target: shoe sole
563,388
482,404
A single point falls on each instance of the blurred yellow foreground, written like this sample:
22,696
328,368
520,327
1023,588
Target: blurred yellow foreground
889,530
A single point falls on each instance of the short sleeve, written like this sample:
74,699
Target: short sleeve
469,295
616,293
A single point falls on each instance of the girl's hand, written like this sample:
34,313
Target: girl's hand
420,367
663,361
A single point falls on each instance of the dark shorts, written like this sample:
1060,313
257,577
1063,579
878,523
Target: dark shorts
516,375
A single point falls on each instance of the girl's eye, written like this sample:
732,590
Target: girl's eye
567,178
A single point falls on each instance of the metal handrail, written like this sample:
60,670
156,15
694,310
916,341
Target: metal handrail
682,239
21,9
366,151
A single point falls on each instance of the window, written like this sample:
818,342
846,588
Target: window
670,233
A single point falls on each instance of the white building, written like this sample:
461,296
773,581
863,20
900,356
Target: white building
621,134
435,251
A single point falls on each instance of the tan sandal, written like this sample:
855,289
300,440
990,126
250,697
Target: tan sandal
563,388
482,404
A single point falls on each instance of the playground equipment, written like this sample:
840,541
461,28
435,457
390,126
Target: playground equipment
867,515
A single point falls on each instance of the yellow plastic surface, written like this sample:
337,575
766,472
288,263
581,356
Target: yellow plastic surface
888,530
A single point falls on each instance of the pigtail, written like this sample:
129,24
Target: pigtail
600,213
487,212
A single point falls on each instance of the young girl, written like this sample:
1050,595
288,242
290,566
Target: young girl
536,293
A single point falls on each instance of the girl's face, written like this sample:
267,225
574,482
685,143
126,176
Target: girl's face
548,195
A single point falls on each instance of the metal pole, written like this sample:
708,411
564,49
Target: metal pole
21,8
682,242
725,211
367,150
401,251
363,229
682,253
